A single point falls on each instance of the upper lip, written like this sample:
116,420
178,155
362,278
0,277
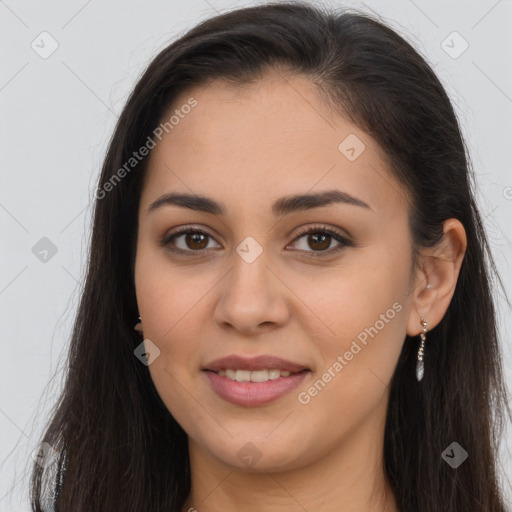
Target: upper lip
262,362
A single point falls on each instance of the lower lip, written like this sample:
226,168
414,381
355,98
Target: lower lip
254,393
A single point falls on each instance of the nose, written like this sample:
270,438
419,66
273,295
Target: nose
253,298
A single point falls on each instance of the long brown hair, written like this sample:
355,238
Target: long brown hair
118,446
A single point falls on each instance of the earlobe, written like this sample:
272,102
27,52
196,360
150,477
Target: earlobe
437,277
138,326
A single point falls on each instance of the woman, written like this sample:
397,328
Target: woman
286,214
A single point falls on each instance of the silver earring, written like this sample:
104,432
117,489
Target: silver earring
420,369
138,325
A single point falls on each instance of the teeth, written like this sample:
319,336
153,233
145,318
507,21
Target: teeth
259,376
243,376
255,376
274,374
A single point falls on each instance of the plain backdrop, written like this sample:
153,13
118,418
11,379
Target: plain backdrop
57,112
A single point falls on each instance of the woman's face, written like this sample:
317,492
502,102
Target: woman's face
275,270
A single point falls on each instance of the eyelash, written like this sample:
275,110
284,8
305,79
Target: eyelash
317,229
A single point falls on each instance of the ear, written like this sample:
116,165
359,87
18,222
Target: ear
138,326
436,277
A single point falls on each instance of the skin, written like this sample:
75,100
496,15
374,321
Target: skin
246,148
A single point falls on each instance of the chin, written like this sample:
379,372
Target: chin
248,454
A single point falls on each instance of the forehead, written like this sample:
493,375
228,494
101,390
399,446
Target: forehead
275,135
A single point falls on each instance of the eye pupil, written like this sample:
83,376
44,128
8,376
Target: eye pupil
315,236
193,238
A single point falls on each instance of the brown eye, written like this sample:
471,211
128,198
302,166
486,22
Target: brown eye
196,241
187,241
319,241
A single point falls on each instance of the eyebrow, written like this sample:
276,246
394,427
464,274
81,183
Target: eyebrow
281,207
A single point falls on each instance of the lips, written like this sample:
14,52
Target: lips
253,381
263,362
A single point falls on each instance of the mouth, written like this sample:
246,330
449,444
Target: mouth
256,375
253,381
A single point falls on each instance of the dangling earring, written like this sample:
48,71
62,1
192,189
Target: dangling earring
419,365
138,326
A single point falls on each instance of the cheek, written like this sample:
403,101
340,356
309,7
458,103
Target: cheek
353,382
168,305
172,323
168,297
365,311
172,382
355,295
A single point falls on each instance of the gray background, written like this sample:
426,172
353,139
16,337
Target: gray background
58,112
